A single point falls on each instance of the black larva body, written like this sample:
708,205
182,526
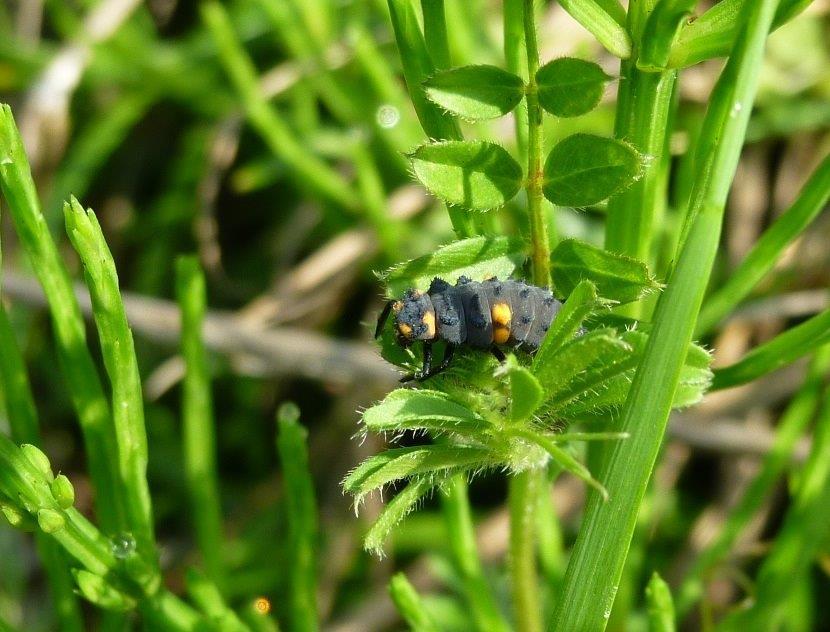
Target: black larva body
468,312
485,315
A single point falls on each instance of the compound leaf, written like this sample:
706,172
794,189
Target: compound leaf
477,175
584,169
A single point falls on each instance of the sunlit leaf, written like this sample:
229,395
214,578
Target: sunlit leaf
477,258
557,370
584,169
394,512
474,174
408,409
476,92
570,87
617,277
526,394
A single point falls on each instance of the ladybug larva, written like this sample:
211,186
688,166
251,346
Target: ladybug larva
483,315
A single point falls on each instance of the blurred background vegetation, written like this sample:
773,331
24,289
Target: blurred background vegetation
271,144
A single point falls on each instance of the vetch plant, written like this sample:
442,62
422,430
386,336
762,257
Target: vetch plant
619,356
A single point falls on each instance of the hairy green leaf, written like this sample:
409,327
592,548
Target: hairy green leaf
474,174
570,86
617,277
526,394
581,302
394,512
478,258
584,169
408,409
476,92
399,463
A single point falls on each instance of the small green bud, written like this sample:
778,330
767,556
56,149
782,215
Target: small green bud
63,492
50,520
96,589
16,517
36,457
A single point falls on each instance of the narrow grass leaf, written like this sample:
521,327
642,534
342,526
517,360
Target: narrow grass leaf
582,301
583,169
811,201
617,277
660,605
394,512
795,419
302,518
601,24
477,258
198,425
477,175
778,352
409,605
409,409
77,365
121,365
570,87
476,92
806,527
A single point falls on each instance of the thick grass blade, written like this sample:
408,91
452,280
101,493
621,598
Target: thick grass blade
198,424
121,365
457,515
83,382
778,352
768,249
409,605
302,518
602,544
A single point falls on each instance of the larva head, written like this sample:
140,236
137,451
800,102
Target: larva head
414,317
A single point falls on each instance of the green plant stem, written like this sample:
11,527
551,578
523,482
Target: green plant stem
810,203
524,587
435,33
409,605
456,509
516,61
539,243
83,382
198,425
793,422
644,122
602,544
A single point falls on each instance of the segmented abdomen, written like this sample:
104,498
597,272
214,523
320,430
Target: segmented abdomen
492,312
